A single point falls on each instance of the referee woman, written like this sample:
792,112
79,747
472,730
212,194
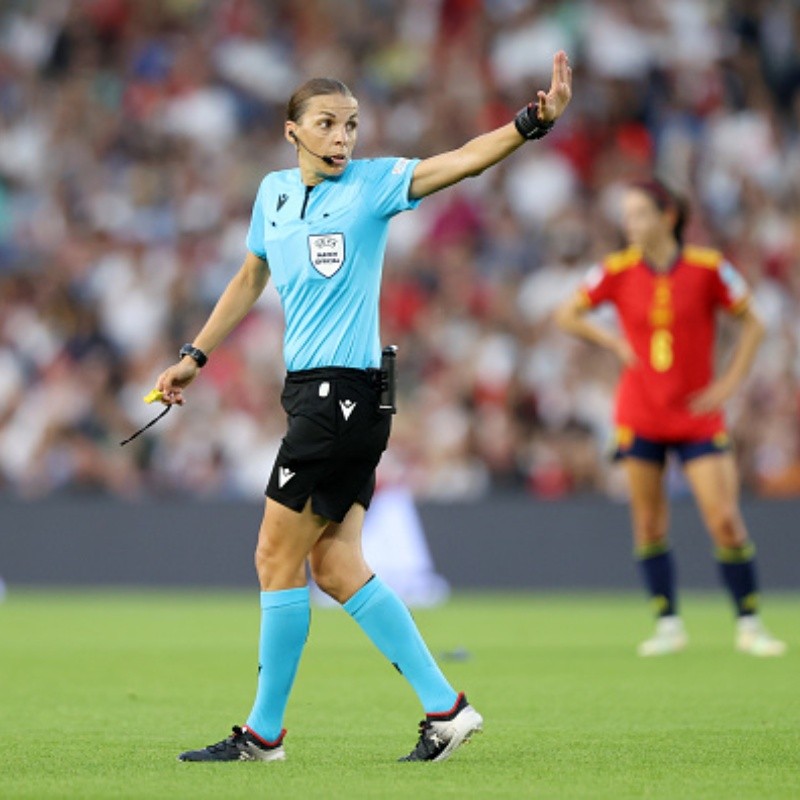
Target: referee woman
320,232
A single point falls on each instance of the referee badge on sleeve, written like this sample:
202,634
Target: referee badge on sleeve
326,252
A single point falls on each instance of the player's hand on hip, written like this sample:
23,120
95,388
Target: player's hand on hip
624,352
550,105
712,398
172,381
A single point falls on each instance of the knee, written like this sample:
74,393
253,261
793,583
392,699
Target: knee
726,526
275,571
264,558
329,581
340,578
649,528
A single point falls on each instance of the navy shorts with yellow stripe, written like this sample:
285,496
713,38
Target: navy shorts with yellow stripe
336,435
631,445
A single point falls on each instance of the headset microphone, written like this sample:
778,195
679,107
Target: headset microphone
327,159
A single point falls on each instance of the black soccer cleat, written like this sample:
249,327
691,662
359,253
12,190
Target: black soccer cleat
241,745
441,734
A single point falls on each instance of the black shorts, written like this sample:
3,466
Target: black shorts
334,442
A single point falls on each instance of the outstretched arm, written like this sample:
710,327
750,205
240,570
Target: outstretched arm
483,151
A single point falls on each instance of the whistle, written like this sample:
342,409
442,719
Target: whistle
154,396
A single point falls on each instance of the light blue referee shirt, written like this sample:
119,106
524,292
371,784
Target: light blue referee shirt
324,246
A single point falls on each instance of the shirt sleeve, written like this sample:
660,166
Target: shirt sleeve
389,183
733,293
255,235
597,286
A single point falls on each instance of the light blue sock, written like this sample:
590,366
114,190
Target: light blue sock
388,623
285,618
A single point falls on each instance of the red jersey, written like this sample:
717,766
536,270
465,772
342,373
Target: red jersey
669,320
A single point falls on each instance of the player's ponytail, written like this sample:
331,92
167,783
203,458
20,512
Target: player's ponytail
667,199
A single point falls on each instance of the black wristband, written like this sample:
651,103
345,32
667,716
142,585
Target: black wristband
529,125
193,352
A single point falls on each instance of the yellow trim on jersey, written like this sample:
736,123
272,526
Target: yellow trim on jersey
662,317
705,257
622,260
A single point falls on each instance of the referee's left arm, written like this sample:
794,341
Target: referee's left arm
532,122
474,157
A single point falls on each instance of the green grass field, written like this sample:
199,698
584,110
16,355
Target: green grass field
100,691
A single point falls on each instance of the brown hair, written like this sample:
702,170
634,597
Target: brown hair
296,106
666,200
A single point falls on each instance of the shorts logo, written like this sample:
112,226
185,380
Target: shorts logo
347,407
326,252
284,476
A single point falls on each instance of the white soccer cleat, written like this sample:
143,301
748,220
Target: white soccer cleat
441,734
755,640
242,745
670,637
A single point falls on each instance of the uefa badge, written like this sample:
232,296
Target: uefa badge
326,252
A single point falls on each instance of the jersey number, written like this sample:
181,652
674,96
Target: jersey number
661,350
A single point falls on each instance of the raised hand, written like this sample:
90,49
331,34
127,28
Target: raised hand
550,105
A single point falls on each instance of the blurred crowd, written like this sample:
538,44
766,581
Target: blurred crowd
133,136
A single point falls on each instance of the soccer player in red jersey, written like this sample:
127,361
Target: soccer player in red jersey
668,400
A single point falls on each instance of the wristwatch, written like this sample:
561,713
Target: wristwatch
193,352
